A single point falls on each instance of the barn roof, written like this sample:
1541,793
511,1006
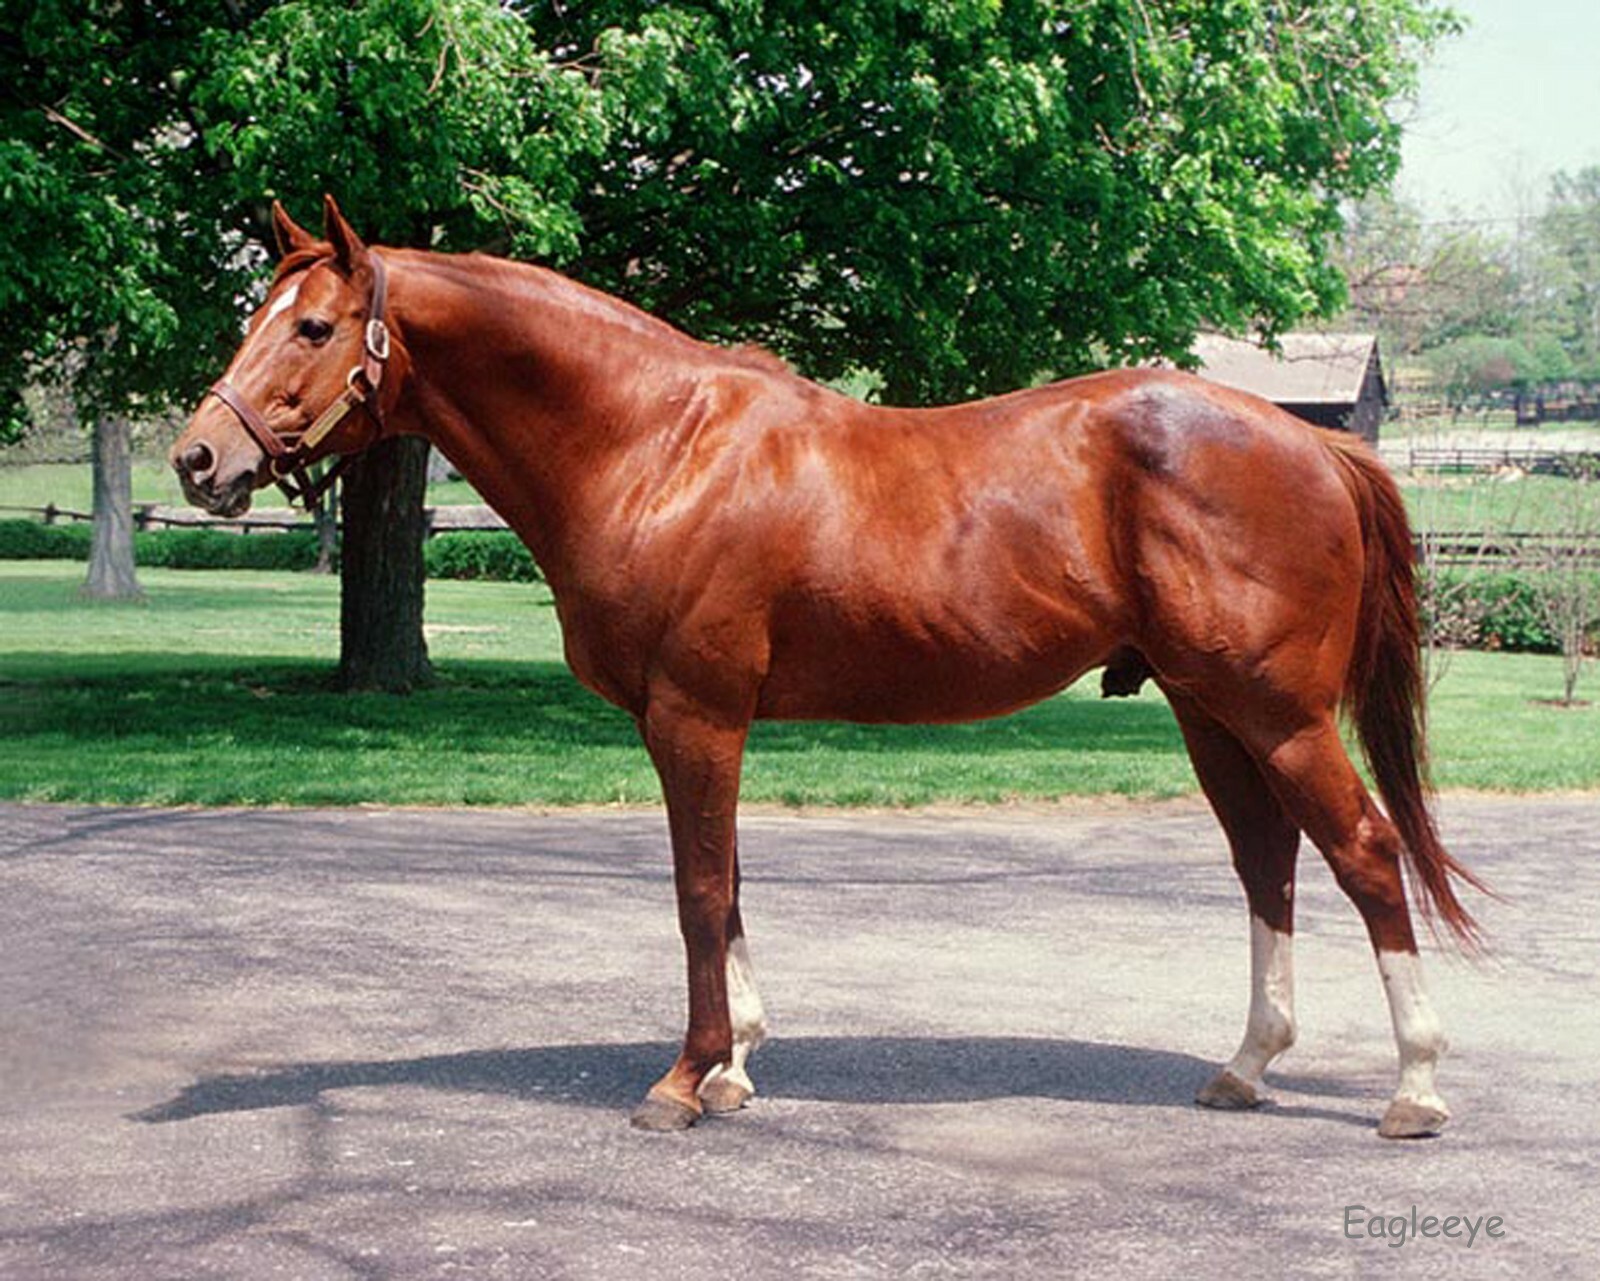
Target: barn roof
1313,369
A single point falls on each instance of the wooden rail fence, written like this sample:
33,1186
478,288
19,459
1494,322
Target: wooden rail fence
1498,550
1542,462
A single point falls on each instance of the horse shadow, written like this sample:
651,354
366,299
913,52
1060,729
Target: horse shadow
855,1070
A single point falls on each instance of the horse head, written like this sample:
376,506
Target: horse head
309,380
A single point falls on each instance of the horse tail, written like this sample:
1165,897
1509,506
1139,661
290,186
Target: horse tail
1383,691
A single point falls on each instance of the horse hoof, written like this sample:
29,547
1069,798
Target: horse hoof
723,1094
662,1116
1409,1119
1230,1093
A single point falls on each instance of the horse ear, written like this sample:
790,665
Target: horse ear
348,248
291,236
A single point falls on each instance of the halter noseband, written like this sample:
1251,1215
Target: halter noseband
288,453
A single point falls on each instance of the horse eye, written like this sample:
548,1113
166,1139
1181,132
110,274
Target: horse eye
314,330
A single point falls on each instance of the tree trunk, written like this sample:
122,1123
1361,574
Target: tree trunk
326,520
111,572
381,645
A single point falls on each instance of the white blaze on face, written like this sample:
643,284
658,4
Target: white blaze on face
1417,1031
280,304
1270,1028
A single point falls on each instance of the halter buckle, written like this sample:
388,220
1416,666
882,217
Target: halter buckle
378,339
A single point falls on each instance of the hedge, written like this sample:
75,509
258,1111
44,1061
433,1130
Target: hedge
165,548
30,540
497,555
214,549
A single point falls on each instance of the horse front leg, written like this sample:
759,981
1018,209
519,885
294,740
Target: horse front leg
698,757
729,1089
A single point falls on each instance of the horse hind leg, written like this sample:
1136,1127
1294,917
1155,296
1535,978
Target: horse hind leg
1265,843
1314,776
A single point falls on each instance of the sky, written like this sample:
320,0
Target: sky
1503,106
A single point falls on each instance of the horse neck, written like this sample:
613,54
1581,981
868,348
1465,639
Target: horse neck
537,389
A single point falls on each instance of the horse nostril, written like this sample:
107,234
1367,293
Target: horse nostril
197,460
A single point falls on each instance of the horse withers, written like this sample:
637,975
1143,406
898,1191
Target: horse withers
726,541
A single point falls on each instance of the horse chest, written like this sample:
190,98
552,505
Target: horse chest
603,651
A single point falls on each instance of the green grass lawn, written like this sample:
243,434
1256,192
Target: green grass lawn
216,691
71,485
1493,504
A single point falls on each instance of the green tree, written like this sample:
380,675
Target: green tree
1422,286
143,143
1477,364
961,195
1567,237
80,277
967,195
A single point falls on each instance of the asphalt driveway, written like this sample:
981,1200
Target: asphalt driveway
332,1044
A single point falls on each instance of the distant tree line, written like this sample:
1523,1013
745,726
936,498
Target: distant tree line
1483,305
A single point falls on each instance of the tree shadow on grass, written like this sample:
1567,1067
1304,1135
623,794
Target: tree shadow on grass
856,1070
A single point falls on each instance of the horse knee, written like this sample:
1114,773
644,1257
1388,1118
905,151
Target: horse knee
703,913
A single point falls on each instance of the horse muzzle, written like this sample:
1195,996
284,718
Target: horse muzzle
217,483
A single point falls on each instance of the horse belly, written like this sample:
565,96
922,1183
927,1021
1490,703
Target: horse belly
876,671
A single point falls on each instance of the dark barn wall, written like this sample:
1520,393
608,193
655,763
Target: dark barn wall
1362,418
1331,415
1367,415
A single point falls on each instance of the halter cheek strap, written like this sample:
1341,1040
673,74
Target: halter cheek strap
289,453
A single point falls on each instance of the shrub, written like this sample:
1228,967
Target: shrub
1501,611
497,555
31,540
1512,617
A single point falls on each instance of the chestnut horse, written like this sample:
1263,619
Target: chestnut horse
726,540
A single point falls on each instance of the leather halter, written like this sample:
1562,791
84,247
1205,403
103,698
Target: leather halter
288,453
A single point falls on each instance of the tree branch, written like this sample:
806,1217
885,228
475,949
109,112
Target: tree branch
78,131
